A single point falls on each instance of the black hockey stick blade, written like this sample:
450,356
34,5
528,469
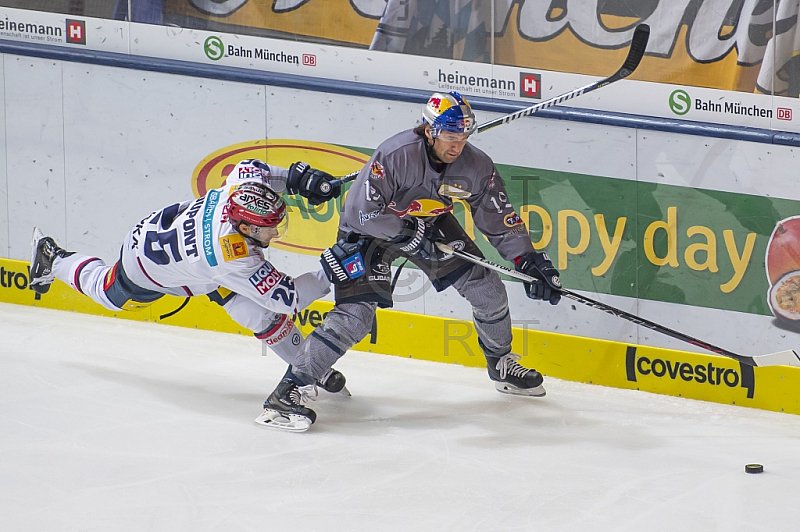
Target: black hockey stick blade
782,358
635,53
638,44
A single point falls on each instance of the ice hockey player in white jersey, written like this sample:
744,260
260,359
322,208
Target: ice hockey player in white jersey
213,246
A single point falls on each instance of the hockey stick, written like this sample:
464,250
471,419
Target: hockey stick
635,54
346,178
782,358
638,43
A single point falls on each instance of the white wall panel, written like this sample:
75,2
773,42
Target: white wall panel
560,145
34,121
133,140
4,198
718,164
337,119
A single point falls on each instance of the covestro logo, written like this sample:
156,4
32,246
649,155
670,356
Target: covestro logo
678,372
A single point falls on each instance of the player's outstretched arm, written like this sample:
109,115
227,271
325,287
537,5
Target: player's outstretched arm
314,185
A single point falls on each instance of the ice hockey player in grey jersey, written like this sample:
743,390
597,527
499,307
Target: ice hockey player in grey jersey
214,246
401,204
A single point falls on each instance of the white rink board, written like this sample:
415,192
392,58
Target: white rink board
4,246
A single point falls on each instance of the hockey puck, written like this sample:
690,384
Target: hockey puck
754,468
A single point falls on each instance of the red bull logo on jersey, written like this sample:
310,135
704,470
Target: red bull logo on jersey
422,207
377,171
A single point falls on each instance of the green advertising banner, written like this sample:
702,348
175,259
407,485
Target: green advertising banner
659,242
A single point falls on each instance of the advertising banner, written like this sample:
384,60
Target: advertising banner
744,46
667,94
78,32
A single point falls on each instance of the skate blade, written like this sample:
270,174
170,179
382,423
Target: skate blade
344,391
40,287
284,422
503,387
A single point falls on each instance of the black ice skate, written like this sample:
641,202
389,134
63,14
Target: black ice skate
44,251
512,378
334,382
283,409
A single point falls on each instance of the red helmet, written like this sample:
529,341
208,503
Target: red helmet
256,204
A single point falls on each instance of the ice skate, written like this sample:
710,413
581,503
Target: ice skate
512,378
283,409
334,382
44,251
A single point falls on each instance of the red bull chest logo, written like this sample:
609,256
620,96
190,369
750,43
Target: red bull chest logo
422,207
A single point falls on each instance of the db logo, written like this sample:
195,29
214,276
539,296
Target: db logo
309,60
530,85
784,113
76,31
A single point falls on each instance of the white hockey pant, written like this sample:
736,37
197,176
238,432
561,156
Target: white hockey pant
277,331
85,274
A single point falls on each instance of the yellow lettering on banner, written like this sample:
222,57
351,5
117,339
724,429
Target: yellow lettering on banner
671,227
469,223
709,247
610,246
547,224
739,262
564,248
574,234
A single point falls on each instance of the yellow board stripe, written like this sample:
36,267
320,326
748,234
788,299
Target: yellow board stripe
572,358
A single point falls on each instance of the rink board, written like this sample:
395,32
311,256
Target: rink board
573,358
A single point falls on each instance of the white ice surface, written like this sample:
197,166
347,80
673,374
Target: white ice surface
110,425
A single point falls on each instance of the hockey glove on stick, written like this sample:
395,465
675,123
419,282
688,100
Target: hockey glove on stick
343,261
315,185
548,285
416,240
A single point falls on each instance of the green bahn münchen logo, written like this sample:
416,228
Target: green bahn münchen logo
680,102
214,48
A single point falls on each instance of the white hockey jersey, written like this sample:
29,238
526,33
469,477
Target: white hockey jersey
191,249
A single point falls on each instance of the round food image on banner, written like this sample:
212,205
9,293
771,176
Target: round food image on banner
311,229
783,270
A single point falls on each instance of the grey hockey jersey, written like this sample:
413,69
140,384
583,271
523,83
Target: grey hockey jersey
399,182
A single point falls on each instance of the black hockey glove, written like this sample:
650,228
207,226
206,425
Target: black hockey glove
416,239
547,285
343,261
315,185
